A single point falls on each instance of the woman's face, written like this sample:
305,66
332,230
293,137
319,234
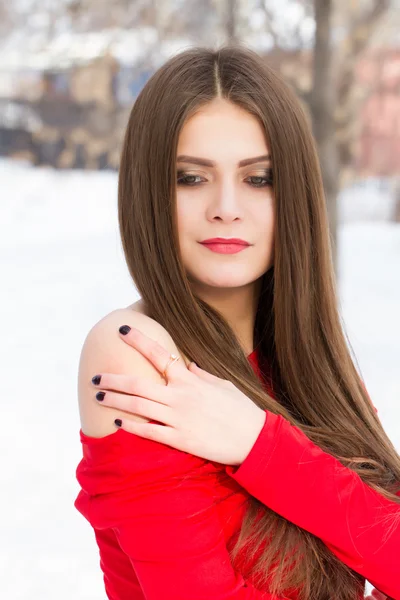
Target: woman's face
223,198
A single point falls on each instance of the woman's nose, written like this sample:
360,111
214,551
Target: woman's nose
227,204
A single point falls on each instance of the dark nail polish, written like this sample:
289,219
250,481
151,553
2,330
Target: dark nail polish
96,379
100,396
124,329
118,422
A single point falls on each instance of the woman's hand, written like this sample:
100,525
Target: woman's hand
202,414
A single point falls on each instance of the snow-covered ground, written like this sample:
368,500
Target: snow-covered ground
62,269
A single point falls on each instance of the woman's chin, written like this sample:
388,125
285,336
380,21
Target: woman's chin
220,281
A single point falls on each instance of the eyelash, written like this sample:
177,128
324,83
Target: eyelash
268,179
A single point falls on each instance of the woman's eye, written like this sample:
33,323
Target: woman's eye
187,179
259,181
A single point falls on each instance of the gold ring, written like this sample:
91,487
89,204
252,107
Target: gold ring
172,358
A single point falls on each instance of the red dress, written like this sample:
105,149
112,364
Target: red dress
164,519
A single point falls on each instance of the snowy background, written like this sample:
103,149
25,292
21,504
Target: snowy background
62,269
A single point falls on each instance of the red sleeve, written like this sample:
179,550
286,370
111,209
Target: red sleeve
309,487
158,503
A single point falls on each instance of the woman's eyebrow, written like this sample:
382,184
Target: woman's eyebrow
205,162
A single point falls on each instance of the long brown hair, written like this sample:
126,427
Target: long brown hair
297,330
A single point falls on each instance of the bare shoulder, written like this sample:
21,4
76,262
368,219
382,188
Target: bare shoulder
104,351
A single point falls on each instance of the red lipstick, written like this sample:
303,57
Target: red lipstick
225,245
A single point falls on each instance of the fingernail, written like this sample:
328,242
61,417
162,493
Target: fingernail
100,396
124,329
118,422
96,379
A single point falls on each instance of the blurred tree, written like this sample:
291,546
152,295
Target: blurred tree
6,17
322,104
231,20
334,101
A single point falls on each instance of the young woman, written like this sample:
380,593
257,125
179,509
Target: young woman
263,472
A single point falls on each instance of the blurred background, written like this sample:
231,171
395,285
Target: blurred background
70,71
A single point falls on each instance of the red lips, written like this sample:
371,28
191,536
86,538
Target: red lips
219,240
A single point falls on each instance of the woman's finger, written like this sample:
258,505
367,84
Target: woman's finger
150,431
206,375
137,406
133,385
153,351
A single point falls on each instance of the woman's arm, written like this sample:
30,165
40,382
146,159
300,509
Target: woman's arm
164,521
155,501
294,477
